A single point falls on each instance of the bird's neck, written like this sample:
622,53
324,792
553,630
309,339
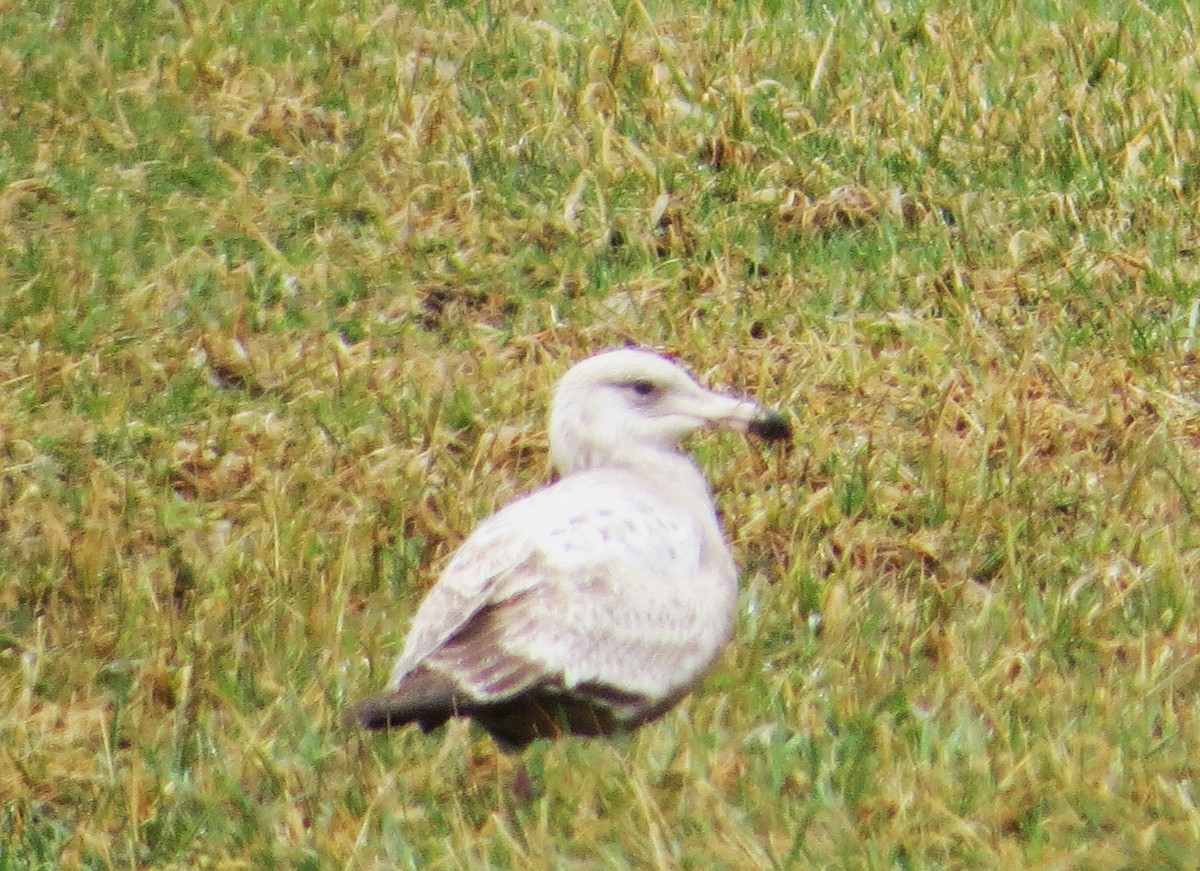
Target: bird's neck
597,454
652,461
664,471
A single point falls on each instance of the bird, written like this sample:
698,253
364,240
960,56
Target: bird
593,605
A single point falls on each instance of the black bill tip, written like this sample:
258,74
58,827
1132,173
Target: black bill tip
772,427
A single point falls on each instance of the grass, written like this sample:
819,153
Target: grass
283,291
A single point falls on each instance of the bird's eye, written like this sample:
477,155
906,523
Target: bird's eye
643,387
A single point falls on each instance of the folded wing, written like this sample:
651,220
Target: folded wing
594,620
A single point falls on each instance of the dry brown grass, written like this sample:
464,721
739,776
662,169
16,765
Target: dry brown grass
284,289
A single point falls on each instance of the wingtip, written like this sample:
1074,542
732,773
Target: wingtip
368,714
771,426
426,698
384,711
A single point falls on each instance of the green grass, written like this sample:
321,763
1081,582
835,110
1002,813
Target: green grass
283,291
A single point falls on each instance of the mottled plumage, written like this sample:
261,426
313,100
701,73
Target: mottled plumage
593,605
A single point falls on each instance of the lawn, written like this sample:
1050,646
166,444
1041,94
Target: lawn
284,290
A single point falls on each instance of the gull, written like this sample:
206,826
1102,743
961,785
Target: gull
595,604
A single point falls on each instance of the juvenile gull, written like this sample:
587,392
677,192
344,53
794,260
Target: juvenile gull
595,604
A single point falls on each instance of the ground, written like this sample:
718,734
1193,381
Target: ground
284,289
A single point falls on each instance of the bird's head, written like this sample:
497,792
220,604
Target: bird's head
627,401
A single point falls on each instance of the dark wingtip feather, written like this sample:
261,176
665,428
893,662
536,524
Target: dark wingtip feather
424,697
772,426
377,712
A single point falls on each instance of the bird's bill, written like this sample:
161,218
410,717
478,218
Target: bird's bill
742,415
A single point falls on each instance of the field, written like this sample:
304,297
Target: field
284,289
